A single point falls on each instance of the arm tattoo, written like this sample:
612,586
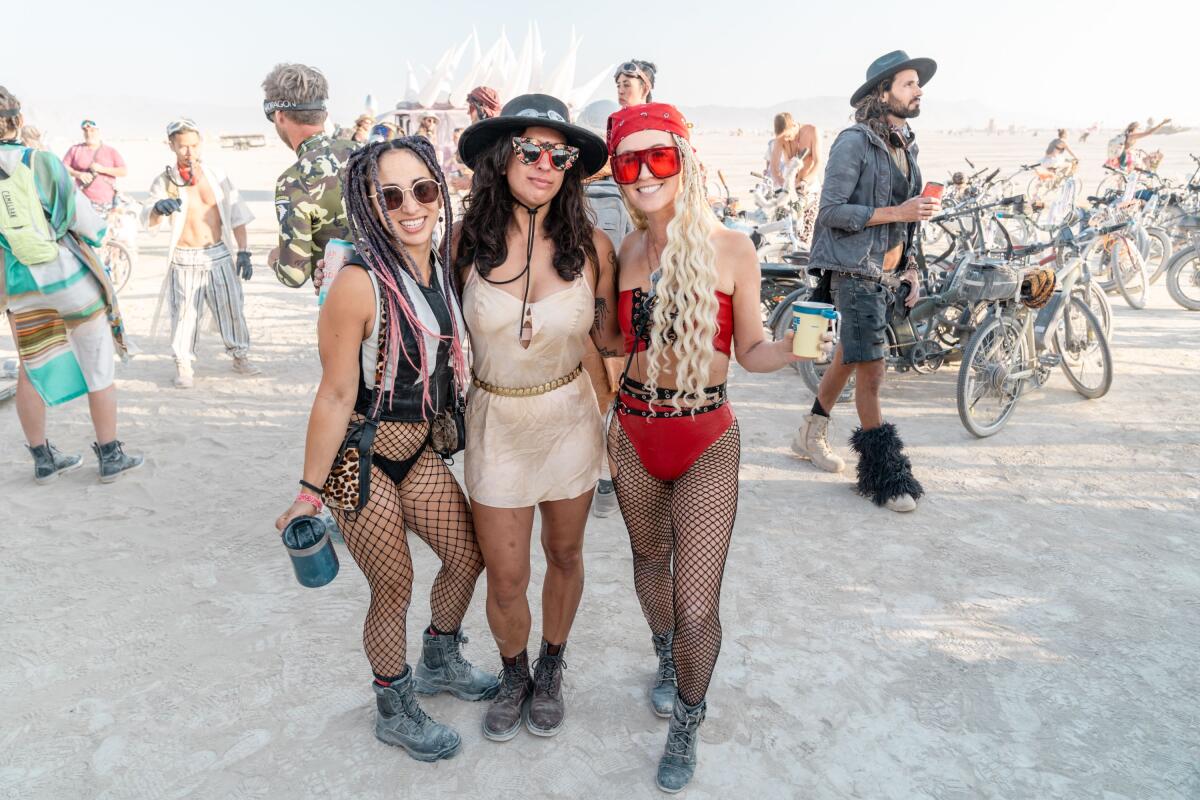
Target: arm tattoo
607,352
601,315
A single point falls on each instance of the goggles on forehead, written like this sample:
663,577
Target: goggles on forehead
87,123
636,70
182,124
271,106
10,112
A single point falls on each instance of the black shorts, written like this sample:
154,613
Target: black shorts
863,306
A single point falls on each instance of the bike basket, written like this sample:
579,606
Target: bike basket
988,282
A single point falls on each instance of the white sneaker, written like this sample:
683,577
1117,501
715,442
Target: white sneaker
902,504
604,503
812,443
242,366
183,380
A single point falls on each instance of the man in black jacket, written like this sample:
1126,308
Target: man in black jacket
870,204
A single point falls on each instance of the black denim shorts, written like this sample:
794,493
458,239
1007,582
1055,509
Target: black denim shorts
863,306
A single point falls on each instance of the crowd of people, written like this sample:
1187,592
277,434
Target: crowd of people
571,332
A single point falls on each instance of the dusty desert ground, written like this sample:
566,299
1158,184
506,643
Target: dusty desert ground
1030,633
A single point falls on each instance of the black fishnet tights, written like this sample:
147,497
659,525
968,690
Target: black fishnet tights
690,520
430,503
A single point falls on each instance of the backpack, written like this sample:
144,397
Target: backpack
604,197
22,220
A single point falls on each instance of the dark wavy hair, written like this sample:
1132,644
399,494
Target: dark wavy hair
483,236
872,110
376,241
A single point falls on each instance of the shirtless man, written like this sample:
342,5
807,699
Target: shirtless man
792,139
207,216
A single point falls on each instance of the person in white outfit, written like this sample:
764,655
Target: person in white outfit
207,218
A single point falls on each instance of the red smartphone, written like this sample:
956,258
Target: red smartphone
933,189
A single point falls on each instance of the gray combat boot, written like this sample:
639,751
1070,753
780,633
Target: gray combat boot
402,723
664,691
546,709
678,762
113,461
49,463
442,668
507,711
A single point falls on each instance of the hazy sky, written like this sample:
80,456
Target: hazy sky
1013,56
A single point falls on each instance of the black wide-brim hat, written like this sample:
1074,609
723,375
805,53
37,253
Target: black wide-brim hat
533,111
888,65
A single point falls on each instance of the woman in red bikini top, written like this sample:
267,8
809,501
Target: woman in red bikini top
689,299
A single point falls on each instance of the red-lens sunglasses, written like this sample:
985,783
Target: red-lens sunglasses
663,161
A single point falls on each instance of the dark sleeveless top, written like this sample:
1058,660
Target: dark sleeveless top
902,191
403,403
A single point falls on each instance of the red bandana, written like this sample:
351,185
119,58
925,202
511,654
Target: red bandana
645,117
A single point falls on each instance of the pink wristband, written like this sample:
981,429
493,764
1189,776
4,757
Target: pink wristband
312,500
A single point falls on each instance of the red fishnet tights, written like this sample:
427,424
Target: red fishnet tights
429,502
680,531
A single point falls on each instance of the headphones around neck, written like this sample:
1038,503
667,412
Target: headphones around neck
901,137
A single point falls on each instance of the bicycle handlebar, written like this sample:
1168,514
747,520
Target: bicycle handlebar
1113,228
962,212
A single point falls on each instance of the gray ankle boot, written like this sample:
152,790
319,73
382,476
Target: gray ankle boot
402,723
443,669
49,463
664,691
678,762
113,461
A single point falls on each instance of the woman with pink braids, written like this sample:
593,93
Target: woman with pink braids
394,192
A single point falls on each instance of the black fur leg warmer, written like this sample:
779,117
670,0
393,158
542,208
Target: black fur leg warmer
884,471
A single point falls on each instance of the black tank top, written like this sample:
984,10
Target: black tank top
902,191
403,402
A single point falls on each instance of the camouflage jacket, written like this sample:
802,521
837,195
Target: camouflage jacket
308,202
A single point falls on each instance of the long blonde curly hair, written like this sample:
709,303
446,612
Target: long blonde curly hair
684,319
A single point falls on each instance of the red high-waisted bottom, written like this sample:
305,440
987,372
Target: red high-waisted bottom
668,446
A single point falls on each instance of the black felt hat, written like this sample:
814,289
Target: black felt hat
888,65
530,111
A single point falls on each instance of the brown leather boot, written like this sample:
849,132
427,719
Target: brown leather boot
505,714
546,709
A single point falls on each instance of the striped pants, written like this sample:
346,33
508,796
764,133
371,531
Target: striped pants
199,277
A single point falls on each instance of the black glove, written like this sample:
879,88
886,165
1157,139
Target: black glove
167,206
244,268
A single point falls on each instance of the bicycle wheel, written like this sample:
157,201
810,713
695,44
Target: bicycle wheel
986,395
1097,301
119,262
1183,278
1158,253
1080,342
1113,182
1129,272
1096,257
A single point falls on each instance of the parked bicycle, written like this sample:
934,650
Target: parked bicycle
1183,273
118,248
1019,343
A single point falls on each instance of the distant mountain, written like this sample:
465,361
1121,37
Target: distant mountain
831,113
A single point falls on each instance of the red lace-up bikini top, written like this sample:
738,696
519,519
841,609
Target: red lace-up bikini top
633,314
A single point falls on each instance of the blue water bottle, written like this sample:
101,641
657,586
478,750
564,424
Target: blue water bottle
313,558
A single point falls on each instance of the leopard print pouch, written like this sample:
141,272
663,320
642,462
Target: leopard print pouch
349,483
